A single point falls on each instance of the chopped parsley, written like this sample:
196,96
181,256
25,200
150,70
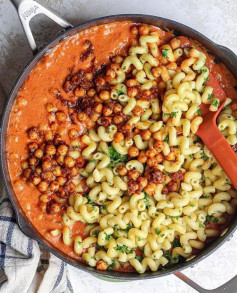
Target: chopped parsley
157,231
96,233
128,228
111,266
176,243
92,161
108,237
210,219
192,205
201,225
192,47
199,111
210,96
139,257
162,235
146,200
215,102
171,259
139,239
165,53
103,207
166,139
173,114
207,79
203,156
123,249
89,200
115,157
215,220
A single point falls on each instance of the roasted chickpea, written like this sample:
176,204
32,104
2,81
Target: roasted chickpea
104,95
133,151
159,158
143,30
74,171
81,162
118,119
55,208
51,117
60,160
35,180
107,110
142,182
69,162
138,111
72,133
27,173
110,72
118,137
48,175
131,82
133,174
159,135
24,164
172,186
43,186
171,156
156,71
38,153
99,81
151,153
146,134
54,186
101,265
61,180
150,188
98,107
48,135
43,206
44,198
117,108
61,116
158,145
91,93
106,121
71,187
33,161
57,171
33,133
82,117
32,146
122,170
94,117
134,30
46,165
119,59
38,170
142,158
50,149
132,92
151,162
51,108
54,126
79,92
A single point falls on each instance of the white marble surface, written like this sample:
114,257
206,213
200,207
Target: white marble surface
214,18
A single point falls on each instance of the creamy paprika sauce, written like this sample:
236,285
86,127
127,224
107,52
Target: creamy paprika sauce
90,51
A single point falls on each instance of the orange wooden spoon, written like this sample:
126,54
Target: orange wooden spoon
213,138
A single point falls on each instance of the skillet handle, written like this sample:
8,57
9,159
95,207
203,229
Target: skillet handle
27,9
229,286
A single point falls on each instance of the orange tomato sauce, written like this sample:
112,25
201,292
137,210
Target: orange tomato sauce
29,110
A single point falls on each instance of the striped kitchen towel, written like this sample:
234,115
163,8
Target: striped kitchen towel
24,265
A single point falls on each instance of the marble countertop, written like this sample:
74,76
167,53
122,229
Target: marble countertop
214,18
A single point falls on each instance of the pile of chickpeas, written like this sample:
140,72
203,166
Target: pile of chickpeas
52,164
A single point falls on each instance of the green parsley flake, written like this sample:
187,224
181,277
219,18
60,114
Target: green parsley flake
215,102
165,53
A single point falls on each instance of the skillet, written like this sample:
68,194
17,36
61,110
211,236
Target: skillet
27,9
